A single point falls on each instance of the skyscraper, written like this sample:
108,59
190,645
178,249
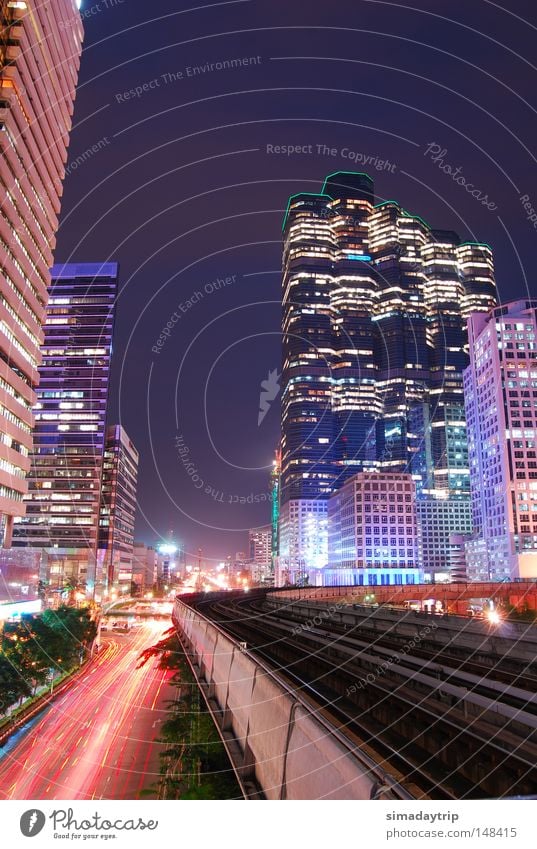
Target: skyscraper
260,549
275,511
374,311
260,545
501,407
118,510
62,505
40,48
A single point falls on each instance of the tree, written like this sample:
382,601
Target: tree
12,685
73,627
32,648
194,764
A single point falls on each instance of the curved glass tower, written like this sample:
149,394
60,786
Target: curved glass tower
375,304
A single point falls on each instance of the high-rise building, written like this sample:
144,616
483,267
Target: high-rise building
501,408
439,462
372,531
374,310
260,545
118,510
275,511
303,542
62,505
260,542
40,46
439,521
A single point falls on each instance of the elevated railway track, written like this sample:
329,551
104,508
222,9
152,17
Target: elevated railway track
454,720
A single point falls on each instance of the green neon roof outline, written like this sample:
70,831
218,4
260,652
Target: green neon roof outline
354,174
384,202
298,194
405,212
477,244
417,217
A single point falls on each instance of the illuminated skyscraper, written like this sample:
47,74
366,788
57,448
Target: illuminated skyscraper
40,46
62,505
118,510
275,510
260,546
501,408
374,310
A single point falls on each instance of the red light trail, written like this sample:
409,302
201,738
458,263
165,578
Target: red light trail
98,740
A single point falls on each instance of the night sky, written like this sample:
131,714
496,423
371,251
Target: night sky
176,183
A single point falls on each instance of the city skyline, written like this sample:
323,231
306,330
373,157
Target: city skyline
375,310
177,234
268,414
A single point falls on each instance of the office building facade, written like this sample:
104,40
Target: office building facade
260,544
375,304
501,409
303,542
64,483
438,521
40,48
372,531
260,549
439,462
117,510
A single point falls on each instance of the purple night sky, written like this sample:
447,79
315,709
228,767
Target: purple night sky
176,183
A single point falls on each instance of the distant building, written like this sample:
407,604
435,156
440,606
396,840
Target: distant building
146,562
275,511
118,509
171,563
439,463
373,531
64,483
260,544
303,542
240,567
501,409
438,520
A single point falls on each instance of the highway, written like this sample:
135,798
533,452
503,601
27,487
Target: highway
97,741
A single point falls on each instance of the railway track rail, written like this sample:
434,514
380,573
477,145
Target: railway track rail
455,728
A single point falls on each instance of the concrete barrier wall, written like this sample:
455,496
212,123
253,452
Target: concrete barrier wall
271,716
293,753
313,751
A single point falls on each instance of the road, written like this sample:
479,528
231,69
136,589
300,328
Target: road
98,740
